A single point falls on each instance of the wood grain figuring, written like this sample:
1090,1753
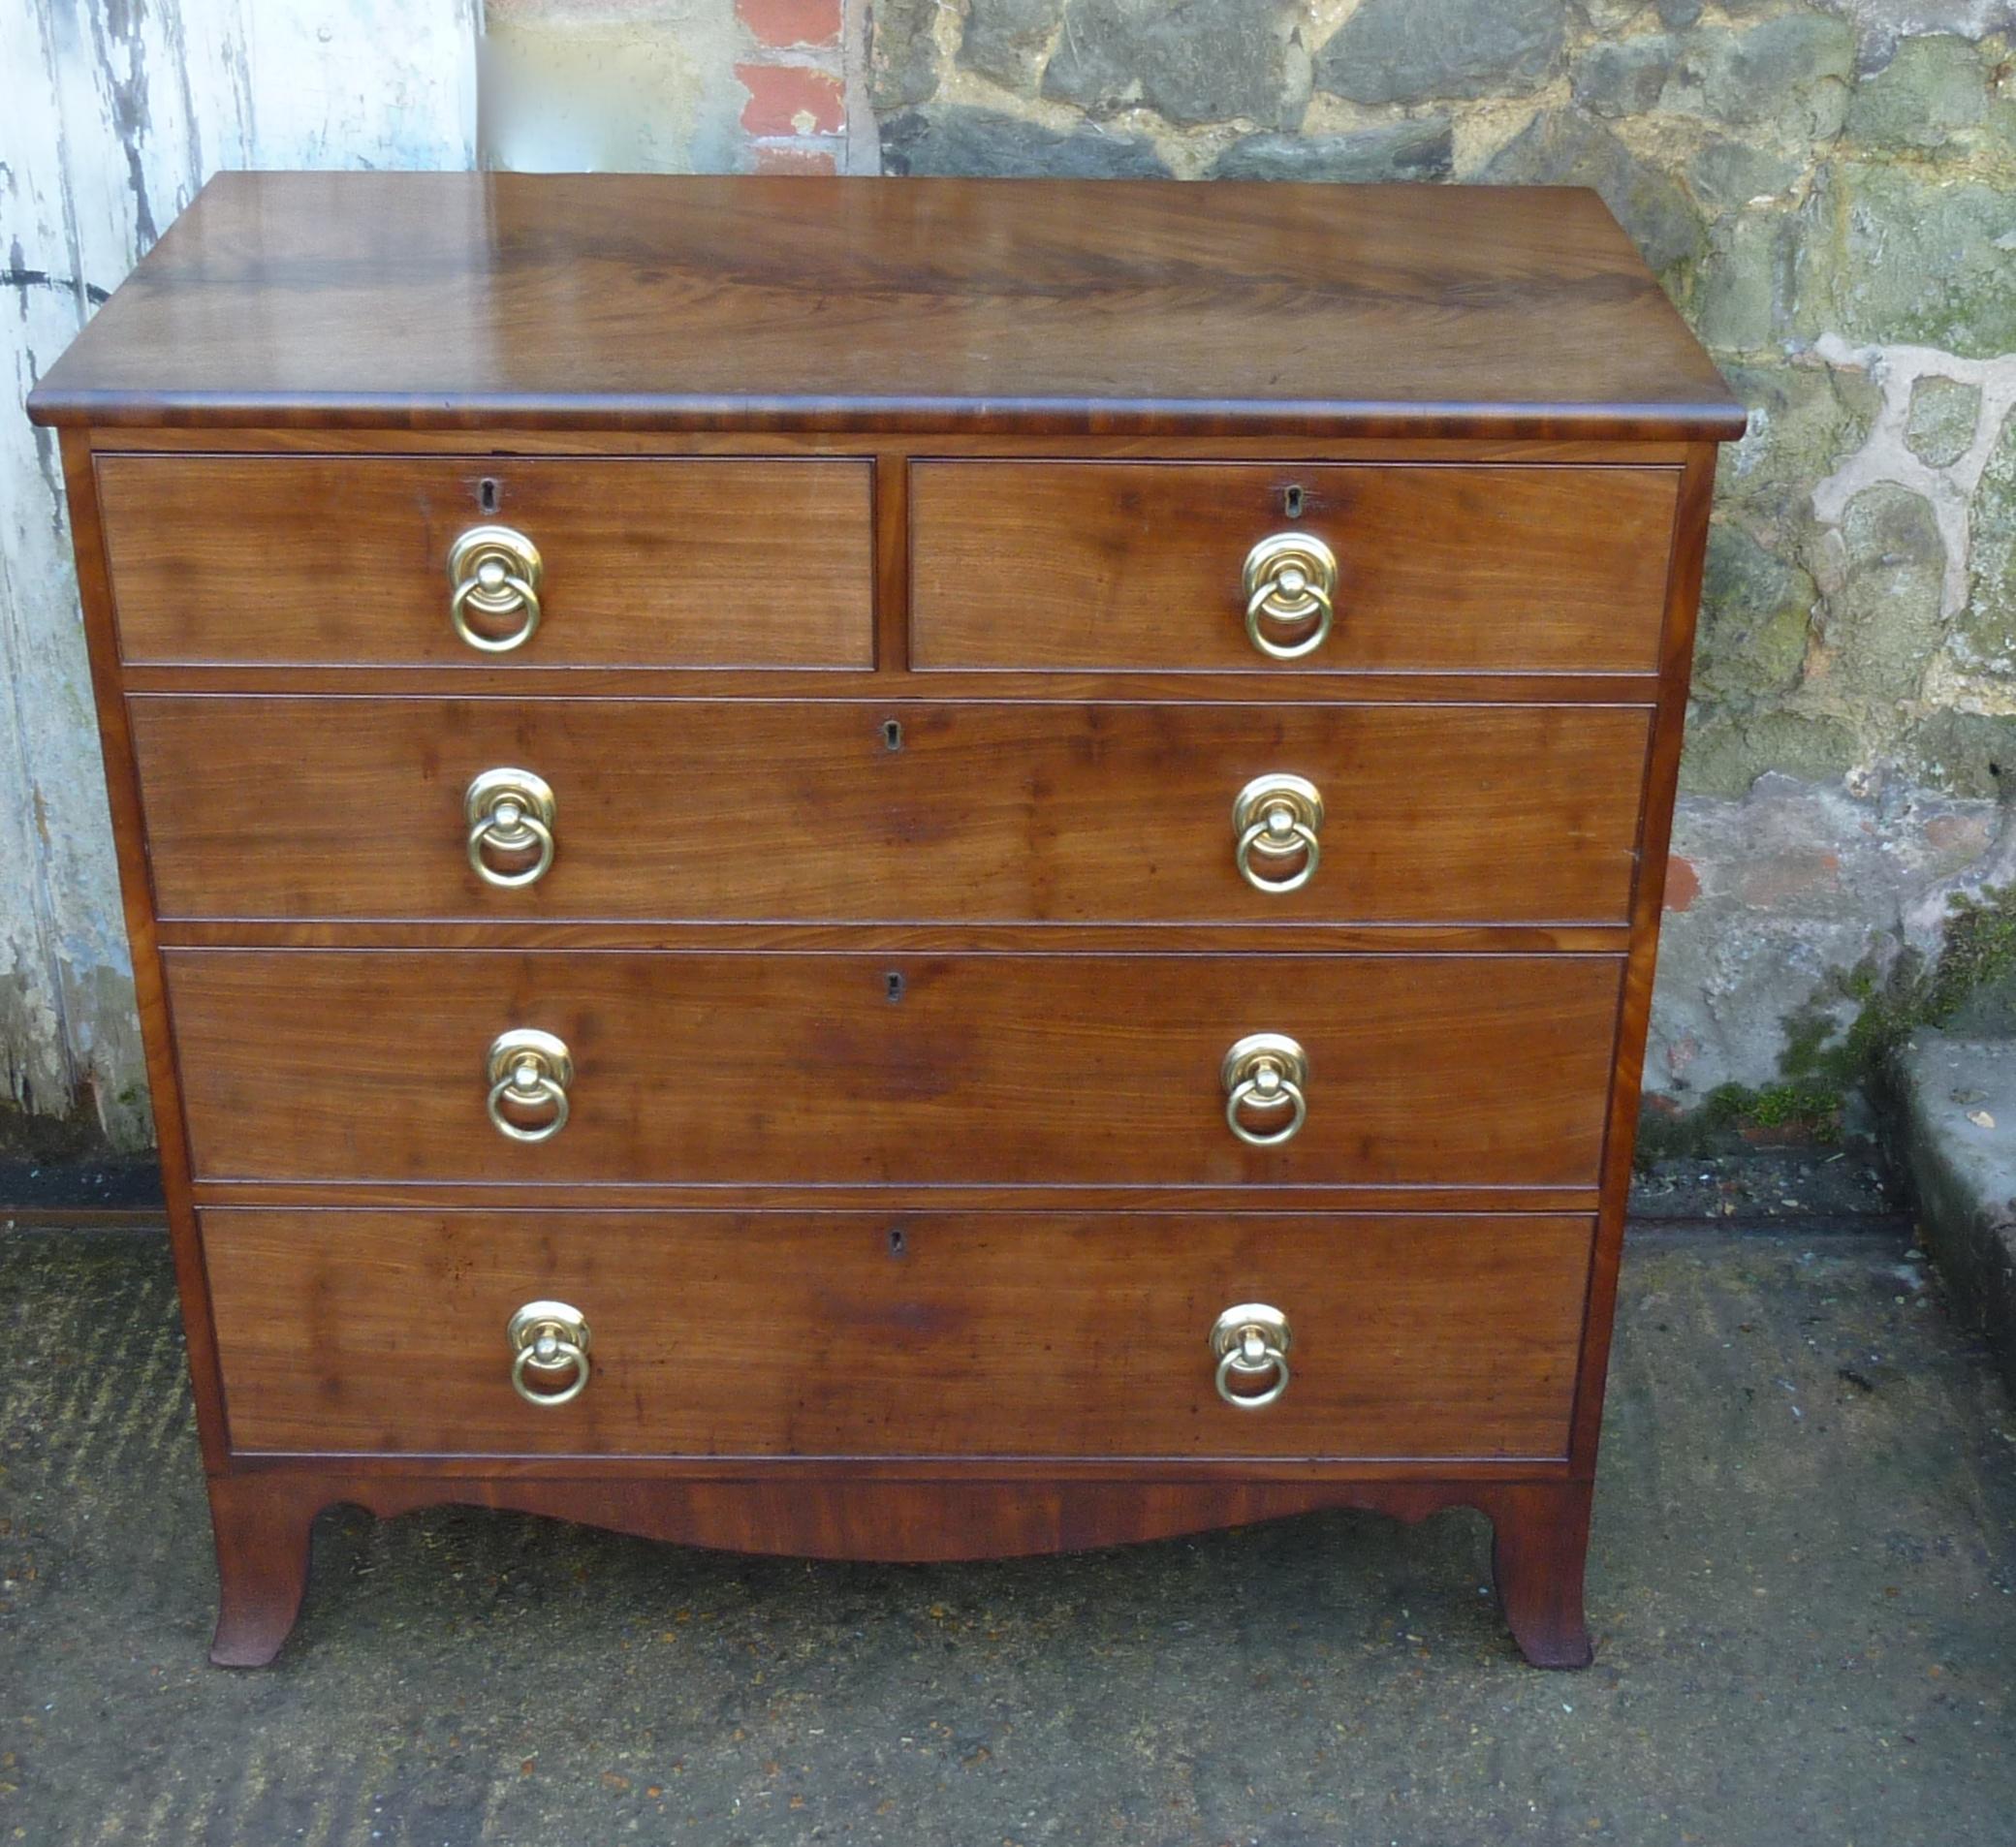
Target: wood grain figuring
920,939
813,1198
1137,565
130,843
1647,905
250,439
474,300
988,1069
981,1337
300,560
347,808
265,1516
894,682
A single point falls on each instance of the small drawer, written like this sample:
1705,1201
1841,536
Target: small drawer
1205,567
844,811
566,562
816,1067
995,1335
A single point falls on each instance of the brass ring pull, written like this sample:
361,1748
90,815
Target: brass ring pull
1278,818
1263,1072
530,1070
509,813
1251,1341
1290,577
549,1340
496,572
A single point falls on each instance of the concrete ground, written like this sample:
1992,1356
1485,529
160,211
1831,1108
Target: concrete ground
1803,1586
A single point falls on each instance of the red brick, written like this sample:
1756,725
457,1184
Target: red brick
771,157
779,22
1682,883
790,99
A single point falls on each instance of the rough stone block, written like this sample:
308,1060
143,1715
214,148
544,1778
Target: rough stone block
1903,254
1943,413
1933,88
1727,751
1755,611
1728,174
1793,886
1958,1135
1804,421
1564,148
1883,621
1742,302
902,54
1789,73
1406,150
1424,51
1007,40
1623,76
1965,753
973,141
1189,60
1985,637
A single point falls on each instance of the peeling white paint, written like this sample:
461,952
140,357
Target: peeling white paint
1886,456
115,114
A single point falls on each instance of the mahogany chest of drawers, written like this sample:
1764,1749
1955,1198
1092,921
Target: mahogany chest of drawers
892,869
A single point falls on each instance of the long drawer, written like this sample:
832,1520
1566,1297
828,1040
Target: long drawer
1434,567
815,1067
704,811
991,1334
292,560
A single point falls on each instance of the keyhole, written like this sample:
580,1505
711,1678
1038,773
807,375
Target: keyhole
896,1240
892,735
486,494
894,984
1291,503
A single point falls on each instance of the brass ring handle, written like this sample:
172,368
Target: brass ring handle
548,1337
1251,1340
1289,578
496,572
510,811
530,1069
1278,818
1265,1072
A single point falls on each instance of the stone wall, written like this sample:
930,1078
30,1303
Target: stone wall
1827,190
1827,193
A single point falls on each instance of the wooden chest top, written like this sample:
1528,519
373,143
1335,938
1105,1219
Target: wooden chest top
449,300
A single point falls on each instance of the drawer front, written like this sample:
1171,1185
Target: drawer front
285,560
818,1067
702,811
1140,565
990,1334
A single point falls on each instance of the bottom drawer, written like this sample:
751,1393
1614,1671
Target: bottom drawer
866,1334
